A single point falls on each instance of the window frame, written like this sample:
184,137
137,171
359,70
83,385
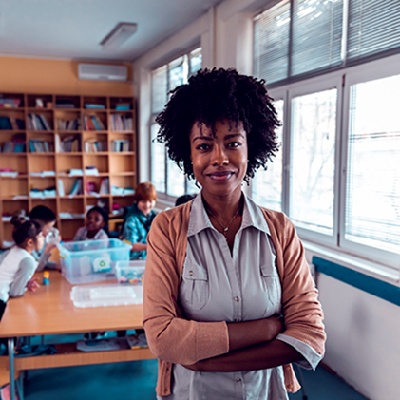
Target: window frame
165,196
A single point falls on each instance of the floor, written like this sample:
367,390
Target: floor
136,380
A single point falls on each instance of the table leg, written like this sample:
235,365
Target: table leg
11,360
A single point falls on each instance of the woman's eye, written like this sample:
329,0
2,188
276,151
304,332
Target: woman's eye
203,146
234,144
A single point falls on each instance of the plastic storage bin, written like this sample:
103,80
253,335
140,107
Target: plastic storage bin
92,260
130,271
105,295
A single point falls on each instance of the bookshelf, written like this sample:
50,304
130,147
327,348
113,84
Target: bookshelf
66,152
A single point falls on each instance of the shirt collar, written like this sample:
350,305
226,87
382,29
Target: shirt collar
252,216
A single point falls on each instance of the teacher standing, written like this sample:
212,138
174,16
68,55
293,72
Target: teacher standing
229,301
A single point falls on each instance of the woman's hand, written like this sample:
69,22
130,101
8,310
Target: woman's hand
32,284
250,333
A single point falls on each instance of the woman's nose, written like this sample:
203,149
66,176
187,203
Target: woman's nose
219,156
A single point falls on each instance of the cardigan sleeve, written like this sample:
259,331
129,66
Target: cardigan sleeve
170,336
302,311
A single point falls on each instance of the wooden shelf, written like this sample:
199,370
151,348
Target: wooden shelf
120,171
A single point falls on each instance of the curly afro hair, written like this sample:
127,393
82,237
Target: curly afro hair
215,95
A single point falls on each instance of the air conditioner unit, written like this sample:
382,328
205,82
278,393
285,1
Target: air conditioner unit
93,72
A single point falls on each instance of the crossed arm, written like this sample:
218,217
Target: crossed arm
252,347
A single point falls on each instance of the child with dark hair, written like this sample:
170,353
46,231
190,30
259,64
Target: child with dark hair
47,220
96,225
18,267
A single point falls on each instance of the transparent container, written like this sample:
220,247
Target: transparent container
130,271
105,295
92,260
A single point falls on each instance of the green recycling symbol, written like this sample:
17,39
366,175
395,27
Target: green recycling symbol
102,263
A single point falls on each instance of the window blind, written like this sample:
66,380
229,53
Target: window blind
271,43
317,35
373,183
374,26
159,89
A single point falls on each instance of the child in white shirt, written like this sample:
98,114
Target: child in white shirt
18,266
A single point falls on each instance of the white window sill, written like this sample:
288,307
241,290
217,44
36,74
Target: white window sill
358,264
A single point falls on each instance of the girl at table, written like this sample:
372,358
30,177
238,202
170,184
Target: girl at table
18,267
47,219
96,225
229,301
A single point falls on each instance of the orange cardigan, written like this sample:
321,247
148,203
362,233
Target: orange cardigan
176,340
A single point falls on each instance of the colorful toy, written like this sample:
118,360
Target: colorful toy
46,278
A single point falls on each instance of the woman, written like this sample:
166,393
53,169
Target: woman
139,218
229,300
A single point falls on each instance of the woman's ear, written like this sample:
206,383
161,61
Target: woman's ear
30,244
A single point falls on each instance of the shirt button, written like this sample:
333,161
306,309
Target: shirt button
238,380
236,298
190,273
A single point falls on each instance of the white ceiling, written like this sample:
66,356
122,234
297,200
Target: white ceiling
73,29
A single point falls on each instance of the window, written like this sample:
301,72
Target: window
267,187
299,38
166,176
338,177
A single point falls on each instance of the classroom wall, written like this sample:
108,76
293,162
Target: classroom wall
363,343
34,75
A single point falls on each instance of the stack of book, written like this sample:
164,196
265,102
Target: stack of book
120,122
104,187
120,145
10,103
40,146
123,107
38,122
93,123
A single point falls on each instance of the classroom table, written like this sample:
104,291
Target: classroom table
50,311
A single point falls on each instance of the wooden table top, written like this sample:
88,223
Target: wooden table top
50,310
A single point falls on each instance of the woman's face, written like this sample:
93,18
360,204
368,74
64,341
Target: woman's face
220,161
145,206
94,221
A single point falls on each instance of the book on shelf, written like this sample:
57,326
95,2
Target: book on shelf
61,189
17,144
40,146
95,146
68,145
38,122
93,123
96,106
68,125
76,187
64,103
43,174
91,188
104,187
120,145
119,122
123,107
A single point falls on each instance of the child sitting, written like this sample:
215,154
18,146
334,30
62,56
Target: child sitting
47,219
96,225
18,267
